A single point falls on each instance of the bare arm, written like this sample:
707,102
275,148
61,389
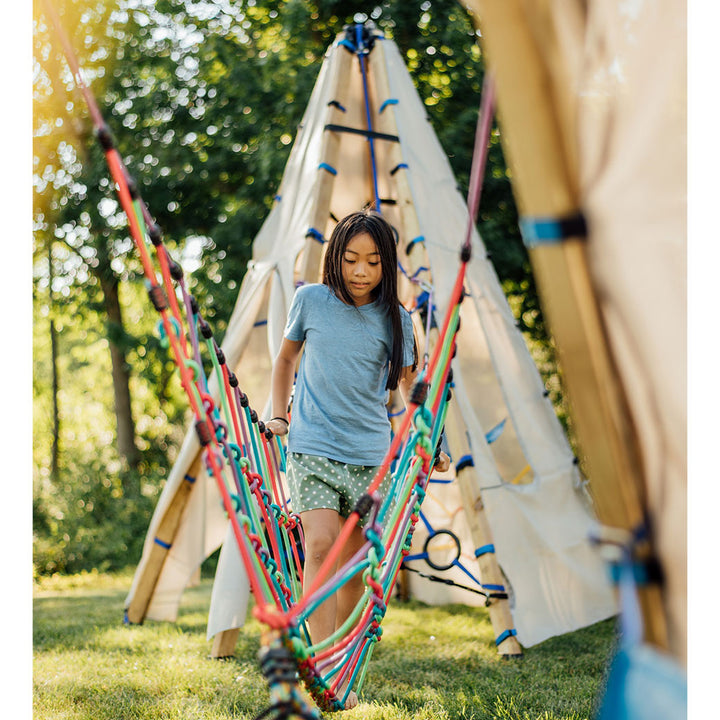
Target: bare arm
407,378
283,375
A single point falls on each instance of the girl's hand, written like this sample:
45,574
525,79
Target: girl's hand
443,463
278,426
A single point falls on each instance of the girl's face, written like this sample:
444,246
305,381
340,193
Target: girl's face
361,268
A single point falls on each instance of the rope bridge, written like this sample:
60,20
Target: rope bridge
247,462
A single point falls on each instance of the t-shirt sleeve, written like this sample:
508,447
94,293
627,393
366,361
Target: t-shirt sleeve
295,326
408,338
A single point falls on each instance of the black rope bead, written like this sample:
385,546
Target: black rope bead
155,234
132,187
176,272
203,431
363,505
157,297
105,137
419,392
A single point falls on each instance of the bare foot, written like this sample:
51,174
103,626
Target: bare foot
352,700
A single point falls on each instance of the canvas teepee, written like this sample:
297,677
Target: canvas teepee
525,523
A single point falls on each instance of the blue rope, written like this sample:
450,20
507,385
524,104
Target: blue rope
329,168
348,44
505,635
315,234
547,230
390,101
483,550
361,58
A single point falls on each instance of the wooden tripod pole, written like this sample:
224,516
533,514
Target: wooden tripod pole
534,121
330,154
164,537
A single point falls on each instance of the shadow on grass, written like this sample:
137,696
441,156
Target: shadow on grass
74,619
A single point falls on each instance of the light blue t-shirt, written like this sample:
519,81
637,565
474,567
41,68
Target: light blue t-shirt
340,397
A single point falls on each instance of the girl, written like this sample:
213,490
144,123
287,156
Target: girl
358,344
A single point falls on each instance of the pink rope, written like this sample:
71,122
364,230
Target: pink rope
480,152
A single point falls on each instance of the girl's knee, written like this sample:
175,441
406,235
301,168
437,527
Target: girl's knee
318,543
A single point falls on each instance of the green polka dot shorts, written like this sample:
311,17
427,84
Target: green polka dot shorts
317,482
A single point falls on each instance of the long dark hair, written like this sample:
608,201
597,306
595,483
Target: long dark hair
386,294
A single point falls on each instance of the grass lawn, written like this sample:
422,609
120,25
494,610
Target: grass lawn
433,663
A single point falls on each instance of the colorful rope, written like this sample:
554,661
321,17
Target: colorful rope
246,461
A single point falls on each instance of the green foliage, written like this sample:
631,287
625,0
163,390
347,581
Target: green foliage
203,99
96,512
432,662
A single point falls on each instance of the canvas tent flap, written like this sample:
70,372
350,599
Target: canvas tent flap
229,599
535,556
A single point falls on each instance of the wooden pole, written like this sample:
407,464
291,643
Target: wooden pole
149,571
468,482
546,186
330,154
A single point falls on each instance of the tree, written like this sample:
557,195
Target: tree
203,99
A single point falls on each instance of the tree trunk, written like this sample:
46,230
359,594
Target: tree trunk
120,372
55,449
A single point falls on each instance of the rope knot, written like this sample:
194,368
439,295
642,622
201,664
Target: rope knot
372,535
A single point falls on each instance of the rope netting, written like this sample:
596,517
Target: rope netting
247,462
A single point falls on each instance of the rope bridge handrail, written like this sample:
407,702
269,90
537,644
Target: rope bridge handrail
247,461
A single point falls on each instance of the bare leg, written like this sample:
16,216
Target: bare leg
349,594
348,597
321,528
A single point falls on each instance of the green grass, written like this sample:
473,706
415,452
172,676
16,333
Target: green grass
433,663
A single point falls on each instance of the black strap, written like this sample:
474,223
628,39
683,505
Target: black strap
366,133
